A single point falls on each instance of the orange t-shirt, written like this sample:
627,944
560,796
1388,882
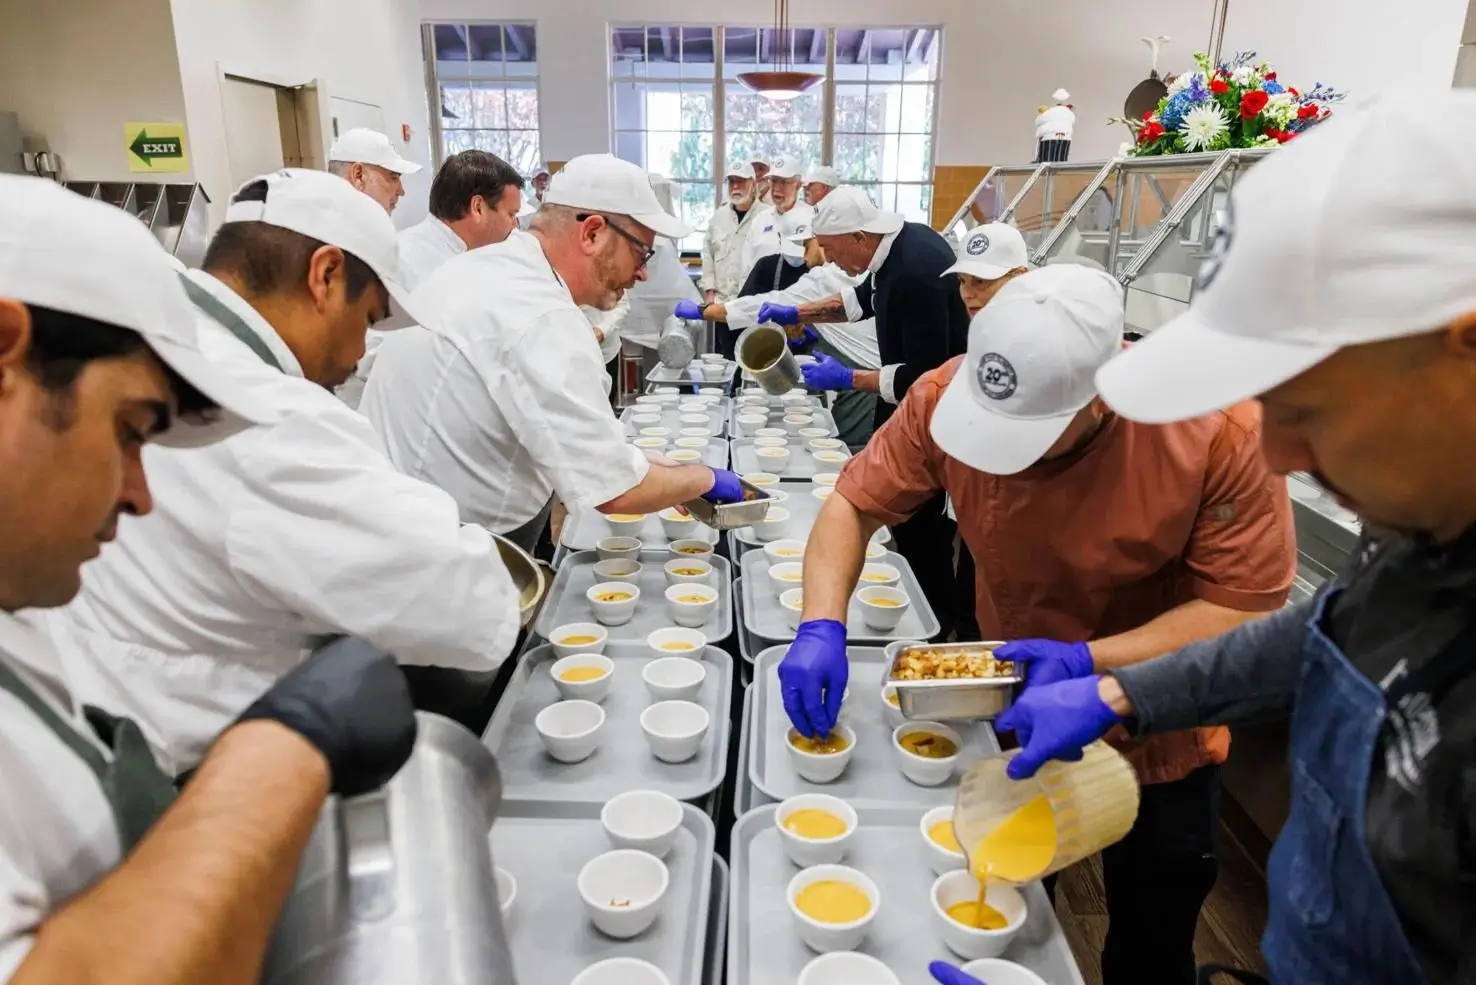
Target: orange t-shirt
1141,520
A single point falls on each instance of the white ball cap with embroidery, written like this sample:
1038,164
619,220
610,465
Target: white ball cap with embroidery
849,210
604,183
1033,353
1360,231
740,169
795,229
785,167
61,251
991,251
823,175
324,207
364,146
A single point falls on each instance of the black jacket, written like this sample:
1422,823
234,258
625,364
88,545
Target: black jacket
921,321
771,274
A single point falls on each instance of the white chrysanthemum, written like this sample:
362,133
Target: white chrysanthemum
1182,82
1243,76
1125,148
1280,109
1202,126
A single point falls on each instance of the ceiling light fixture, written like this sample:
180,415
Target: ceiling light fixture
783,82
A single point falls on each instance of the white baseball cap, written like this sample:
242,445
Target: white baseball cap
1033,353
795,230
604,183
785,167
849,210
823,174
759,158
364,146
739,169
1360,231
61,251
324,207
991,251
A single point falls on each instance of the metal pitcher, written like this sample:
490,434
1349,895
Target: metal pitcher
763,350
397,886
676,347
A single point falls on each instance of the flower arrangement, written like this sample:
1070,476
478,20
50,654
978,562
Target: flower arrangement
1239,103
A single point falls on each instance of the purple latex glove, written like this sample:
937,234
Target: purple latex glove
1056,721
779,314
725,488
946,974
813,675
688,309
810,336
826,373
1048,661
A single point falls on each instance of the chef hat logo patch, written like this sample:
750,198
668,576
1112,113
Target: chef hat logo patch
1219,246
995,376
977,244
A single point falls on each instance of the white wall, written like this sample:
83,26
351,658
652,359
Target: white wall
77,70
365,50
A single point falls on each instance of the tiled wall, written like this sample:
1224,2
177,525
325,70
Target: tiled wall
952,185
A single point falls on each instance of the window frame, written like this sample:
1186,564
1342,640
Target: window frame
434,84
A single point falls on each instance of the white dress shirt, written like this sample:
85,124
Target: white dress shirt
261,546
57,832
504,401
855,339
732,247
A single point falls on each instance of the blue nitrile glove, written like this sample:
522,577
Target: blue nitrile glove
688,309
813,675
779,314
726,488
800,341
946,974
1056,721
1048,661
826,373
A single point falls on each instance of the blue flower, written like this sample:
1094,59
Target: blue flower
1174,108
1272,87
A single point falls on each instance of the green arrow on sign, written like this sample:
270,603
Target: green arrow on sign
147,148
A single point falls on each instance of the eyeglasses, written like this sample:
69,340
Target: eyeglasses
646,252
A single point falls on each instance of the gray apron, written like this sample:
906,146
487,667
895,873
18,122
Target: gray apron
526,536
137,791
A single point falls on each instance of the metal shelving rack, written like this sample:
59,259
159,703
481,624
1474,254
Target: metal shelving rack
177,214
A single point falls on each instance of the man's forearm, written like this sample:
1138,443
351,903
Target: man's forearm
1180,626
662,487
866,380
831,309
196,901
833,558
1247,675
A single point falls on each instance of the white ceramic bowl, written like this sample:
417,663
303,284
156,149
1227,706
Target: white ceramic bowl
626,524
675,729
878,574
613,613
891,712
624,547
818,768
674,678
646,820
921,770
772,433
655,431
649,417
593,689
764,480
998,971
875,551
692,547
822,493
970,942
940,859
774,460
570,730
692,444
811,433
879,616
782,551
816,851
714,372
648,399
848,968
650,444
792,602
697,433
798,397
691,405
676,524
770,443
677,642
826,937
795,423
694,420
622,891
619,569
773,526
675,571
715,357
507,892
685,456
691,614
826,444
787,575
621,971
577,631
831,460
750,423
666,391
822,480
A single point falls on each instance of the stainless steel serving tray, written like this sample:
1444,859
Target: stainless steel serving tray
954,699
729,516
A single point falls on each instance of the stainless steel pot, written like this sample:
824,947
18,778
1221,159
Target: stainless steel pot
763,350
676,347
528,577
397,886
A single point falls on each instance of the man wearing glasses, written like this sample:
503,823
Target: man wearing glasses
504,404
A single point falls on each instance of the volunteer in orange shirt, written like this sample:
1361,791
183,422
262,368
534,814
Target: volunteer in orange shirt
1098,542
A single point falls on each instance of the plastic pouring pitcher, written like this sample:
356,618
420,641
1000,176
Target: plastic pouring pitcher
1090,804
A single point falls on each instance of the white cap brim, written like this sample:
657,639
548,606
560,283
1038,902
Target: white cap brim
664,224
991,443
401,166
1187,368
239,407
984,271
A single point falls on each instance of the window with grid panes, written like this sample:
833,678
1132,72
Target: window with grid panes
486,76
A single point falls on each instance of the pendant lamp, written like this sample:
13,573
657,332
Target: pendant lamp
783,82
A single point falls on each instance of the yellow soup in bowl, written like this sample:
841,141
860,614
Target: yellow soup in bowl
818,746
942,835
831,901
576,675
979,916
928,745
813,823
693,599
885,603
578,640
691,550
614,597
688,572
677,647
626,517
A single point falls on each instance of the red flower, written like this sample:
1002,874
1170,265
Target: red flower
1219,86
1307,112
1252,103
1270,76
1293,91
1148,116
1150,132
1280,136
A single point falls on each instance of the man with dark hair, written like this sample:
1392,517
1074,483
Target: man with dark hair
474,201
100,877
265,544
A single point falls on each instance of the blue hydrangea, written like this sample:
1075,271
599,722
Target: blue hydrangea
1172,114
1272,87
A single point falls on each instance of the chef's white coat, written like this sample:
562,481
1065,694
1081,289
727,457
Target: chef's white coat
731,248
652,300
423,248
504,401
855,339
57,833
611,326
262,545
1055,123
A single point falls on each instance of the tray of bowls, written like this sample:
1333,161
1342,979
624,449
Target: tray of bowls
888,604
584,529
688,449
623,593
801,423
752,395
675,414
587,722
617,893
777,455
827,892
716,953
874,756
745,795
708,368
793,512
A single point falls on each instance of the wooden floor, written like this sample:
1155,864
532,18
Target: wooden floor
1230,924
